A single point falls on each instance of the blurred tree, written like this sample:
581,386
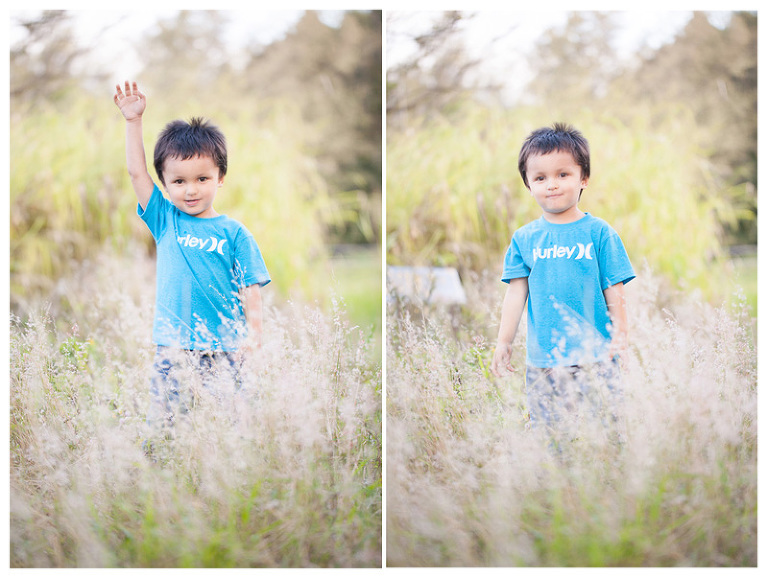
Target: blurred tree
437,76
334,76
575,63
713,72
186,55
41,62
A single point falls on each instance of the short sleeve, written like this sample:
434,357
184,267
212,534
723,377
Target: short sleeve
514,264
615,266
155,216
250,268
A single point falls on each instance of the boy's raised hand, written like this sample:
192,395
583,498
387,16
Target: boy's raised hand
132,102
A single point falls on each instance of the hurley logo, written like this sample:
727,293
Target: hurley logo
557,252
212,244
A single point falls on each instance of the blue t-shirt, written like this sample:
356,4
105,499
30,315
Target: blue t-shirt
568,266
202,264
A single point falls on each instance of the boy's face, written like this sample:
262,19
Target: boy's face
555,181
192,184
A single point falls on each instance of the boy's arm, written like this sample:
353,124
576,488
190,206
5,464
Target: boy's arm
511,312
132,104
617,311
251,299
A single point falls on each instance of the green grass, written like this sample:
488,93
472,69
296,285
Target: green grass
745,277
356,277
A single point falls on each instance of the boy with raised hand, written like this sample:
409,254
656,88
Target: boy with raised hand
208,310
571,269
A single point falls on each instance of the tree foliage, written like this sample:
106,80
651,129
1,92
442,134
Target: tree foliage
576,63
713,73
333,77
437,77
185,54
42,60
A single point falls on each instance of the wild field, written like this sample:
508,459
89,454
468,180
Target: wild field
469,484
288,474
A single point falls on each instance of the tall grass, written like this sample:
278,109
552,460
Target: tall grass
288,475
469,484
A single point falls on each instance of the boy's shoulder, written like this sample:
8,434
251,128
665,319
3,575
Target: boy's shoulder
236,225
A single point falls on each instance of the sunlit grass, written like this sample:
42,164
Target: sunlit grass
356,278
745,276
468,484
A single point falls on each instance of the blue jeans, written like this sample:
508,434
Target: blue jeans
176,374
561,399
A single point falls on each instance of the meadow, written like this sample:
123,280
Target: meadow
470,484
286,475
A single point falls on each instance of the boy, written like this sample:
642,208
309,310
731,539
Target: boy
571,267
208,311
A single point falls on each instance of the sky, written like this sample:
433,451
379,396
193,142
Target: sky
115,33
502,39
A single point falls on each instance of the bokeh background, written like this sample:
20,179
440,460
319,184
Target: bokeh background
668,101
297,94
289,475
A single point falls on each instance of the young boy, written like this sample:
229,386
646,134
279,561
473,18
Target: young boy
208,311
571,267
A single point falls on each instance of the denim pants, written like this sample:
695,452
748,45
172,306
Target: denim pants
178,375
563,400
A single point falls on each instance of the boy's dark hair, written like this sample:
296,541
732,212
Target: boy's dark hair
561,137
185,140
